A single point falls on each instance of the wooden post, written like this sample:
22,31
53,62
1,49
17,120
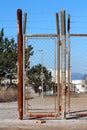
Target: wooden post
63,67
58,62
20,65
69,63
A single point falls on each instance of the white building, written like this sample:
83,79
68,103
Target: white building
55,74
79,86
76,85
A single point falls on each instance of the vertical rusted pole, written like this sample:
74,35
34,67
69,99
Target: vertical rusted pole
63,64
20,64
58,62
69,63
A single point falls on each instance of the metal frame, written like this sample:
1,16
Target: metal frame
36,36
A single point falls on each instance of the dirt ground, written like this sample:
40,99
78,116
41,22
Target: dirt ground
9,94
49,125
9,116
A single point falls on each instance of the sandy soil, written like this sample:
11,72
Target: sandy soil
9,117
49,125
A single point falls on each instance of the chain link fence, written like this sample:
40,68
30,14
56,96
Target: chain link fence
78,75
40,75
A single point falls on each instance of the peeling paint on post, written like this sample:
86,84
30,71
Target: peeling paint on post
68,63
63,64
20,65
58,62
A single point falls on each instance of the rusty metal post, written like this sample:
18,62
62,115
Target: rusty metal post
63,64
69,63
20,65
58,62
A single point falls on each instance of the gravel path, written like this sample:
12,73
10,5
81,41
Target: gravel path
9,117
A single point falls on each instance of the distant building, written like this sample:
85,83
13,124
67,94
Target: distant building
7,80
54,75
75,85
79,86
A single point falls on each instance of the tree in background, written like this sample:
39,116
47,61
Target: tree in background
28,52
8,54
35,77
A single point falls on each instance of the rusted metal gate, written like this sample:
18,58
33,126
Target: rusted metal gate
44,104
43,107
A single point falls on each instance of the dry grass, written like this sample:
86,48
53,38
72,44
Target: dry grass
8,95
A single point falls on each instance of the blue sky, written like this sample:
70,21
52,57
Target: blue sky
38,8
41,19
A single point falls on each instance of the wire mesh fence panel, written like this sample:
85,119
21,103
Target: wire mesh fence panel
40,61
78,74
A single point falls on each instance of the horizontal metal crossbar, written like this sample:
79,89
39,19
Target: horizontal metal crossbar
40,115
80,35
41,35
